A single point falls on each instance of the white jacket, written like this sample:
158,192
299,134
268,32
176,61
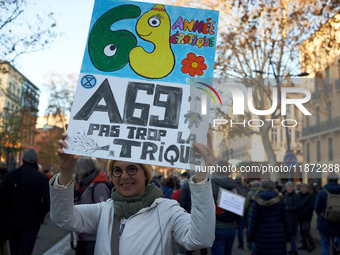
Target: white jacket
149,231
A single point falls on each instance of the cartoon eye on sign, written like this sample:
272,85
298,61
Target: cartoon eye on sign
154,21
109,50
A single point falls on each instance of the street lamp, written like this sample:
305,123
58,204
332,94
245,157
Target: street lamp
279,90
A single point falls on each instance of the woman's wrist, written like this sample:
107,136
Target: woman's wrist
199,177
64,178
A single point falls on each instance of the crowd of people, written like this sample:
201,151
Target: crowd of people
107,213
273,216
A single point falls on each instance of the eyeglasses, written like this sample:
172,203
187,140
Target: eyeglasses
131,170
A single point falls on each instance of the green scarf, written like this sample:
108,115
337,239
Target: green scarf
124,207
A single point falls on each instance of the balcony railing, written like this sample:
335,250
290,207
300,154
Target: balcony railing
13,96
322,127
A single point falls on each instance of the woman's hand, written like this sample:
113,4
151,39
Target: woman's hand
208,155
67,162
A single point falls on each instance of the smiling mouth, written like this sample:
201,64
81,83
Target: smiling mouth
126,185
145,35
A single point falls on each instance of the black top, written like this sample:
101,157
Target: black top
24,195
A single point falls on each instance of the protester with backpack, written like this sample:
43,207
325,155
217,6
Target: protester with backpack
226,222
93,189
327,207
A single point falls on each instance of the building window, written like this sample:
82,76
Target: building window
318,115
318,151
330,149
307,152
329,82
290,111
307,121
328,73
329,111
274,135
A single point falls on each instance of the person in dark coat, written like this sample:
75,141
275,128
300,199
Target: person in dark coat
3,216
226,223
306,213
24,194
291,200
255,185
269,227
328,231
241,222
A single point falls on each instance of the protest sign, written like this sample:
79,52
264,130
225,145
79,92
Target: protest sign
231,201
139,93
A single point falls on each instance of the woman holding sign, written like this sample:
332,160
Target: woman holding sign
137,220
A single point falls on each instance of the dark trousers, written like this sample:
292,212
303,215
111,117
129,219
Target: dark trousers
240,227
224,240
85,247
305,233
21,242
204,251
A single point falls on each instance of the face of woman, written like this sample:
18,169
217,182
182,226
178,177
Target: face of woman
129,185
289,189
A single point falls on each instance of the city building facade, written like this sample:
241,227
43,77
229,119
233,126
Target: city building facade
320,56
19,102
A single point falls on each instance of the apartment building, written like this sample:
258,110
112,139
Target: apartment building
320,56
19,101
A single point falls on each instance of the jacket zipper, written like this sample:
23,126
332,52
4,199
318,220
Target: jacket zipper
122,226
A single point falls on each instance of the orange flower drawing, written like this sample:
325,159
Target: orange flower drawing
193,65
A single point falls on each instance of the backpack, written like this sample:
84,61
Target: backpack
332,212
108,185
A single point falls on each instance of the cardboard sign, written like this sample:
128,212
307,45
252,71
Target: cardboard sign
231,201
143,84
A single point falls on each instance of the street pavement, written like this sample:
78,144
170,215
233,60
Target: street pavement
56,241
49,235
